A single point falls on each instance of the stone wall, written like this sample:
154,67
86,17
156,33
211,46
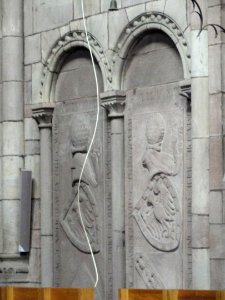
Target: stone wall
143,55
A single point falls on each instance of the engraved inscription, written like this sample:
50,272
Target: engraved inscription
157,212
80,135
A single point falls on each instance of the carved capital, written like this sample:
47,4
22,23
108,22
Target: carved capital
114,103
43,115
185,89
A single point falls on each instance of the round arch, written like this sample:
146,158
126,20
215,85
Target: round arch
139,26
60,50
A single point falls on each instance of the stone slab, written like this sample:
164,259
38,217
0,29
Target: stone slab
217,240
216,171
90,8
217,268
13,137
48,40
200,231
12,108
117,20
215,207
50,14
32,49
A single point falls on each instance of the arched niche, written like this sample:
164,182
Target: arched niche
158,160
73,123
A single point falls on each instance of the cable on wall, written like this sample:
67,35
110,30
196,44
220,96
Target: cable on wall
90,146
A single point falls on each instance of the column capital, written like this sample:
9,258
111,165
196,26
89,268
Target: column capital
114,103
43,114
185,89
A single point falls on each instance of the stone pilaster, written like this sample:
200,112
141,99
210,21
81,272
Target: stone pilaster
114,102
43,115
12,122
200,154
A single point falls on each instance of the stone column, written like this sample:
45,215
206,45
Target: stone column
12,122
43,115
114,102
200,155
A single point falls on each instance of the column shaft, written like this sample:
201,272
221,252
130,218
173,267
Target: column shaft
200,161
118,209
12,121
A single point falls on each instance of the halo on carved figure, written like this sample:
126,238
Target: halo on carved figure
138,26
69,42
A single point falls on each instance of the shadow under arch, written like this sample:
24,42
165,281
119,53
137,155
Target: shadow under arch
140,26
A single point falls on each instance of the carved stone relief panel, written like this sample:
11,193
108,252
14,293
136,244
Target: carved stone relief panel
73,125
157,131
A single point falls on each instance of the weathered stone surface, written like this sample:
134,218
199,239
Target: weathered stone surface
32,148
216,207
35,266
215,69
105,5
216,170
149,64
48,40
117,20
155,5
12,138
28,17
11,110
200,269
36,214
200,231
72,76
98,26
28,92
51,14
200,117
134,11
215,114
31,129
201,173
177,11
12,16
32,42
11,211
36,82
217,240
199,53
11,167
27,73
35,239
13,54
217,274
90,8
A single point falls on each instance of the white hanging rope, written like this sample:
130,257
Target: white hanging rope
90,146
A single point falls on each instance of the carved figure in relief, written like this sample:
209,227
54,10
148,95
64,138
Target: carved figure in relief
70,221
157,212
147,273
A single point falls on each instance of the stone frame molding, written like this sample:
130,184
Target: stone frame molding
141,24
61,48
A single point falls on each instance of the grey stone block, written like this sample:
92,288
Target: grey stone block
27,73
11,167
27,92
105,5
36,214
35,266
134,11
36,82
217,274
215,114
13,16
217,241
51,14
48,40
28,17
200,231
214,69
32,148
98,26
117,20
32,42
11,211
31,129
13,138
35,239
215,207
12,93
216,171
12,68
126,3
90,8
